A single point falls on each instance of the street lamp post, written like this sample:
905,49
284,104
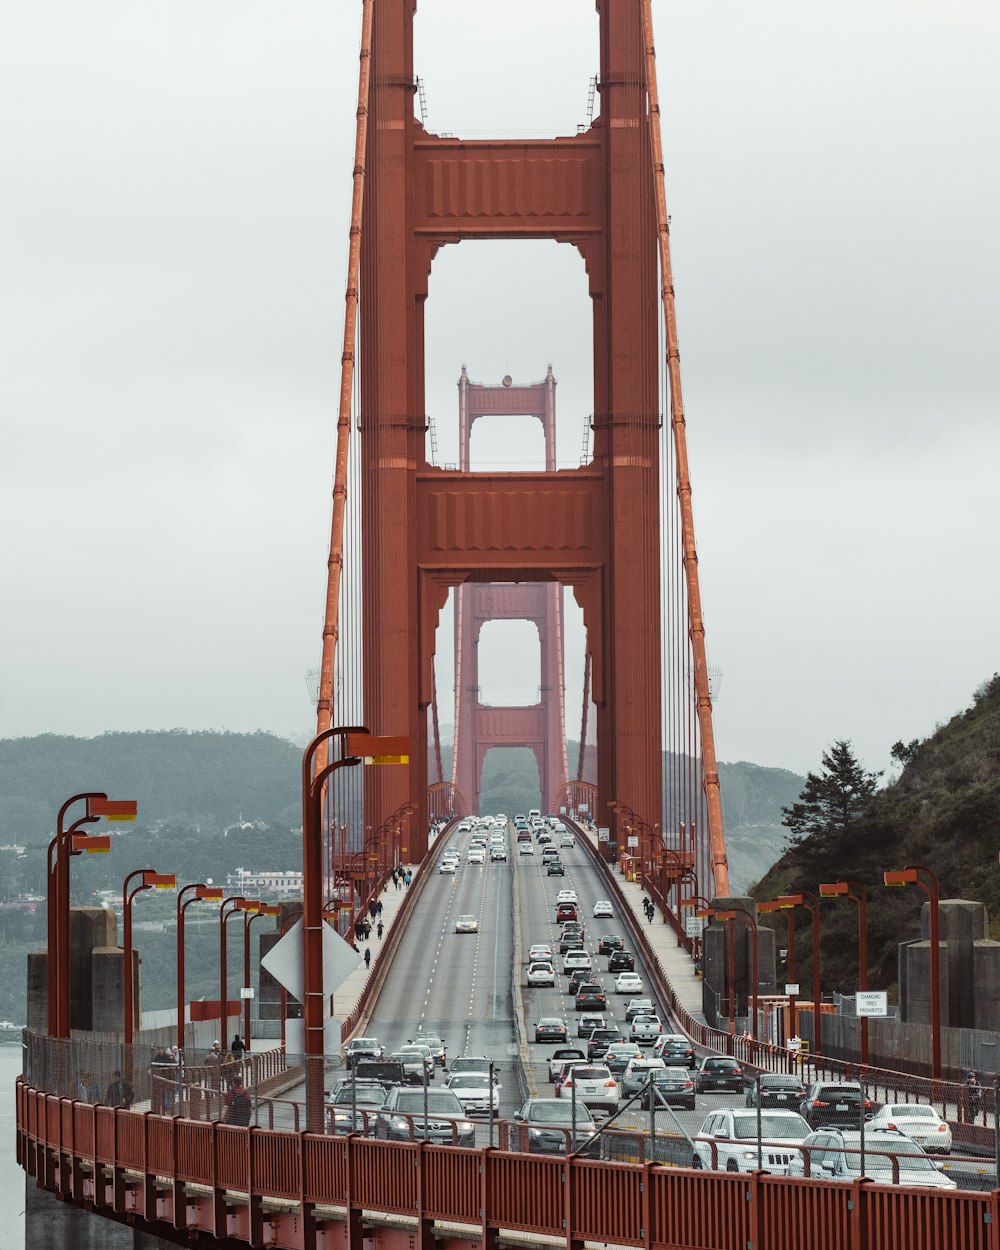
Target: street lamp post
774,905
263,909
911,876
98,807
356,746
811,903
857,893
149,879
238,903
209,894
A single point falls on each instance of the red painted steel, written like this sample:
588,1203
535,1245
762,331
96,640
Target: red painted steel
232,1152
82,1132
451,1183
324,1168
195,1150
160,1145
821,1206
384,1175
526,1191
277,1164
607,1202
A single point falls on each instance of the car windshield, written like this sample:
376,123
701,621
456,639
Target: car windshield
440,1101
909,1161
364,1043
776,1081
591,1074
913,1111
549,1023
470,1080
362,1097
555,1113
469,1065
720,1063
772,1127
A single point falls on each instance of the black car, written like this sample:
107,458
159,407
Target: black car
550,1029
719,1072
835,1102
578,977
610,942
776,1089
590,996
555,868
621,961
544,839
601,1039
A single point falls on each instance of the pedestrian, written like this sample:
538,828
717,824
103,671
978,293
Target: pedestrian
974,1093
368,956
119,1092
238,1106
238,1048
87,1090
163,1072
378,930
397,883
407,878
371,908
651,913
367,930
378,909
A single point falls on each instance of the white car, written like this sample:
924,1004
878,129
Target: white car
466,924
525,848
575,959
567,839
628,983
475,1092
540,953
646,1030
567,896
595,1087
835,1155
733,1133
918,1121
448,866
541,974
603,908
476,856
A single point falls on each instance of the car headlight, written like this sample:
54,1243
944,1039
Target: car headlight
400,1123
465,1126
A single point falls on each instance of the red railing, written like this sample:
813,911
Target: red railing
572,1199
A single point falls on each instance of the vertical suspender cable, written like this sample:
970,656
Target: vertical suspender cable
335,564
696,627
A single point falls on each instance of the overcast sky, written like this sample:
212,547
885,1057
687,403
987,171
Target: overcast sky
175,195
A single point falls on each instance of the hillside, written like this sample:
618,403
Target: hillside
943,811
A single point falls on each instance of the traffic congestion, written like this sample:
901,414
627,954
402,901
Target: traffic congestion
520,1012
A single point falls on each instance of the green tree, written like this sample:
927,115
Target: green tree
831,801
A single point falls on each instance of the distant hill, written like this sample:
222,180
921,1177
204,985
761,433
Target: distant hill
943,811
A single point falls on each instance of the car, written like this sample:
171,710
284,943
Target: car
578,977
476,855
620,1054
523,836
448,866
362,1047
576,959
498,854
645,1030
475,1091
588,1023
639,1007
610,942
637,1072
524,848
567,896
562,1055
434,1043
594,1085
728,1141
567,841
550,854
834,1154
837,1103
467,924
671,1087
545,840
539,952
570,938
418,1065
541,974
919,1121
548,1126
621,961
564,1070
628,983
550,1029
471,1063
674,1048
601,1038
719,1072
775,1089
603,908
351,1105
403,1118
386,1071
566,911
555,868
590,995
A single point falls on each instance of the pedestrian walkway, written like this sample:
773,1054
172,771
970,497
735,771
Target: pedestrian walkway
675,964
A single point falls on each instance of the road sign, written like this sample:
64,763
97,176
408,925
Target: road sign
693,926
871,1003
604,835
284,960
633,840
246,991
792,989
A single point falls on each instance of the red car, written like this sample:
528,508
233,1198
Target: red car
565,911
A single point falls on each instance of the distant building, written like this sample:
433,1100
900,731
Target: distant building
276,884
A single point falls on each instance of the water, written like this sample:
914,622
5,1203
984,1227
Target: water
11,1176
